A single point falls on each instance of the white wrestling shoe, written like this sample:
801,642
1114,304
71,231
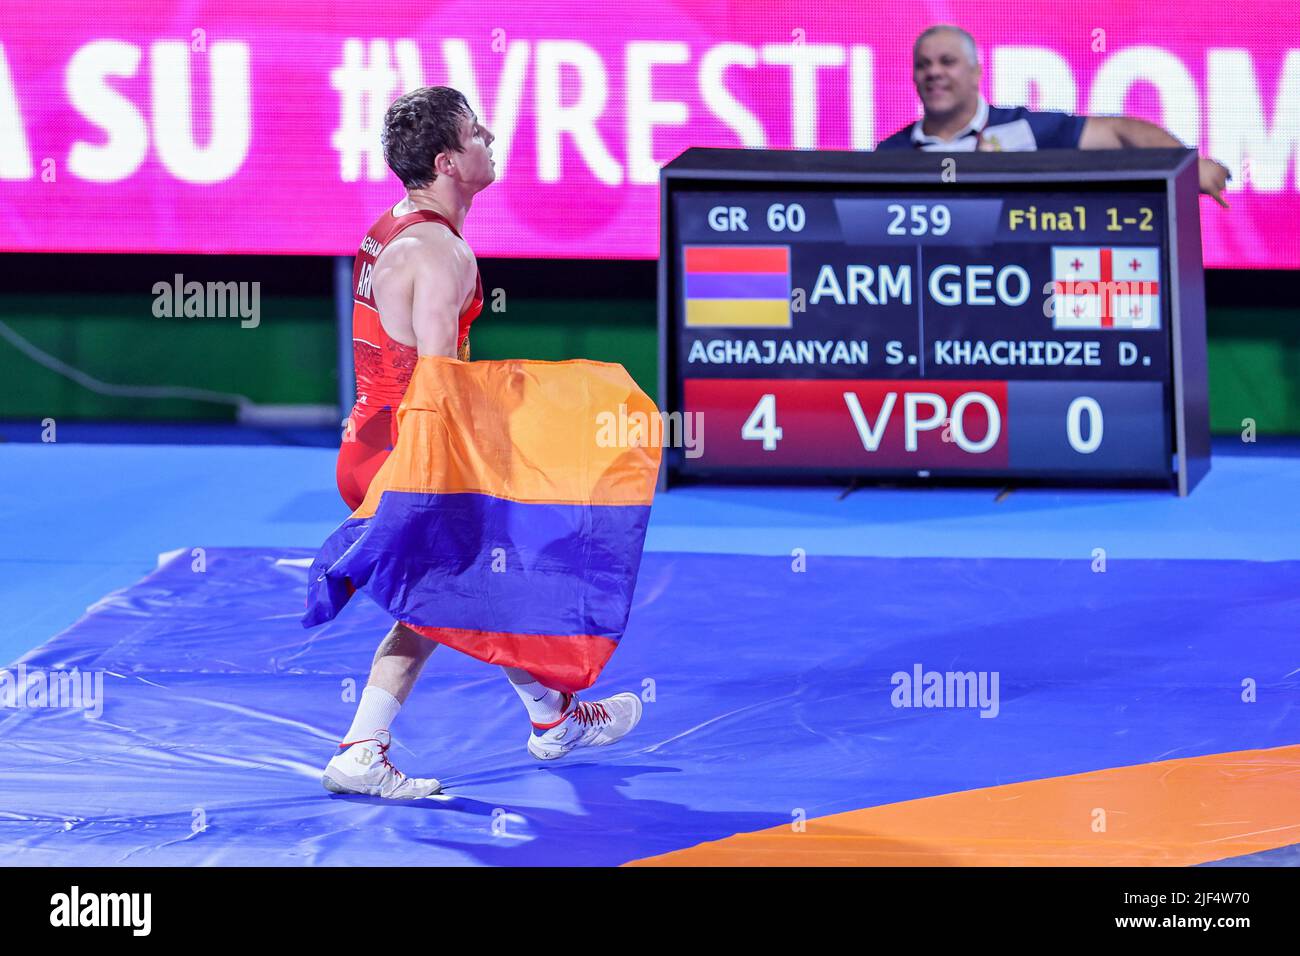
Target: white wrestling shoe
363,767
585,724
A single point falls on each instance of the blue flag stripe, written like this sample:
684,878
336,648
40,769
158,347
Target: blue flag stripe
483,563
737,285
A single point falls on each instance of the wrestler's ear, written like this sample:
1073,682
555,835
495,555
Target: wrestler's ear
444,164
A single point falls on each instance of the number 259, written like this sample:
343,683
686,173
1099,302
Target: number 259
935,220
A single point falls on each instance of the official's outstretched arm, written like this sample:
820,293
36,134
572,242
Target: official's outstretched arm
1122,132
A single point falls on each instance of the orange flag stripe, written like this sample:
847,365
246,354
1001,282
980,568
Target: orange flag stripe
529,431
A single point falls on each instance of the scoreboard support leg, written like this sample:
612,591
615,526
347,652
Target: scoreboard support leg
1189,355
343,323
666,402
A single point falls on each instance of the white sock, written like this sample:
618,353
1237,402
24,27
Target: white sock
544,705
377,710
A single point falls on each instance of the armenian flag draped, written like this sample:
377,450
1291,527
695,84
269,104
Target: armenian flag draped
508,522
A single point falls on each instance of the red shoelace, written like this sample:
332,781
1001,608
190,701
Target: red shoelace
590,713
383,752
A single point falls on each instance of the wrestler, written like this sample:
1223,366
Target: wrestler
416,291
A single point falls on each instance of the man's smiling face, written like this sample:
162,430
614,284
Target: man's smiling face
946,80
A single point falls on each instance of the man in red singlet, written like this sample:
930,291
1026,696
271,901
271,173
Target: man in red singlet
416,290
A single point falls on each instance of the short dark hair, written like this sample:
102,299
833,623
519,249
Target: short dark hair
419,126
967,41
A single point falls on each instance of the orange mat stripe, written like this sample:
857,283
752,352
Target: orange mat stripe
1172,813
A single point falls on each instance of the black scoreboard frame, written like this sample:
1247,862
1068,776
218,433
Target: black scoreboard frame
1172,170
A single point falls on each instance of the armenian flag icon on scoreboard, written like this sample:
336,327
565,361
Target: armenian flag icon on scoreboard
739,287
1106,287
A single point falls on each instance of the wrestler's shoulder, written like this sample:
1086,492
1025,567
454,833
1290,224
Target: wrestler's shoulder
434,237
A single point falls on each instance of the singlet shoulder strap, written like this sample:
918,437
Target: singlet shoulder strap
396,224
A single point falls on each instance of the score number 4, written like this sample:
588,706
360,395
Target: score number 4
761,424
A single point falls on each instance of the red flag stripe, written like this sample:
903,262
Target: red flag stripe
738,259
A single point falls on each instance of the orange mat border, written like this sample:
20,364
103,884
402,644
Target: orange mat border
1172,813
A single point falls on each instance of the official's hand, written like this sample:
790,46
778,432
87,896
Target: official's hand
1214,177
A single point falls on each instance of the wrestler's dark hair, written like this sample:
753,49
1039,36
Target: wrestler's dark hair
419,126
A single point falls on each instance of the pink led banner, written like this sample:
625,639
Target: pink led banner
253,127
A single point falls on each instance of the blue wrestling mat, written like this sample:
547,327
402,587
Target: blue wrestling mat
768,689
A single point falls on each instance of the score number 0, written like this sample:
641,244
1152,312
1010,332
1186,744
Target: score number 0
761,424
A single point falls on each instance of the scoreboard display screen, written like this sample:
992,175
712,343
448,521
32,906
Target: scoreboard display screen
925,331
896,330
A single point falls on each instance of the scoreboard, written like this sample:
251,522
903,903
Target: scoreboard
1035,315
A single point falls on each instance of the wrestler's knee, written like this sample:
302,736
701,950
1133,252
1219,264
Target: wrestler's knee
403,642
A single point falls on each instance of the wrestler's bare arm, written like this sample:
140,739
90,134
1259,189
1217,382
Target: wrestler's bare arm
443,279
421,280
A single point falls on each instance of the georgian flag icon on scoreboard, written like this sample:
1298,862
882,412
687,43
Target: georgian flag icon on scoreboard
737,287
1105,287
